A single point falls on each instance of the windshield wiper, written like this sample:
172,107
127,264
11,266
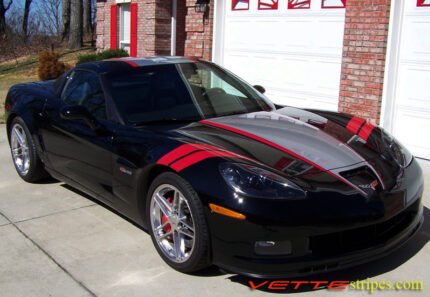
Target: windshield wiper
165,122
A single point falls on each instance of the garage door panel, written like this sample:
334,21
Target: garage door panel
416,43
328,83
239,64
418,125
295,54
264,74
292,73
290,97
414,86
237,36
326,38
296,35
411,112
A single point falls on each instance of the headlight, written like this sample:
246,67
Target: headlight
396,150
256,182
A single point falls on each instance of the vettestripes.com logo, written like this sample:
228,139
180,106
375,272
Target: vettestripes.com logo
370,286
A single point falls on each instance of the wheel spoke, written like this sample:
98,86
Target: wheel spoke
164,205
186,225
161,227
179,245
186,232
177,202
19,136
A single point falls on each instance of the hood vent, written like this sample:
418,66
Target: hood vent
364,178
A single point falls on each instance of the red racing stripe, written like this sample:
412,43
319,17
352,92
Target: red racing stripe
278,147
192,149
200,156
131,63
354,124
366,131
177,153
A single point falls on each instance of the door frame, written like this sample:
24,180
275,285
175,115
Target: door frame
392,64
218,32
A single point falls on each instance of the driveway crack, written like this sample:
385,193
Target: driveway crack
81,284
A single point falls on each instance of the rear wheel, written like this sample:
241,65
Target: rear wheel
24,154
178,228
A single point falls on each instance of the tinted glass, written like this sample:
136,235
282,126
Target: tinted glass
84,88
181,92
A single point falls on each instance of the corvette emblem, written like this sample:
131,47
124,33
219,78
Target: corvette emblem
372,185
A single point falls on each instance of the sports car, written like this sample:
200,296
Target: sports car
214,171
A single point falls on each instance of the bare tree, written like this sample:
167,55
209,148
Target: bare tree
88,26
3,9
51,20
27,5
65,30
75,38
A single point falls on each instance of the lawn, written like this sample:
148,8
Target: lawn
24,69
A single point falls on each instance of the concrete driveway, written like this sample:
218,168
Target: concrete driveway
55,241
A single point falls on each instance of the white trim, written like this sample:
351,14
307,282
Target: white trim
392,64
218,33
122,1
173,28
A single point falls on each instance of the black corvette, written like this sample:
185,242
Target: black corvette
216,172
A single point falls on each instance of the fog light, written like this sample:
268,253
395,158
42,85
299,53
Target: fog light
273,247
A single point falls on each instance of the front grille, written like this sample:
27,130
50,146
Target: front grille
335,244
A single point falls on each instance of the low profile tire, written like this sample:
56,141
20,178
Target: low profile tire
177,224
24,154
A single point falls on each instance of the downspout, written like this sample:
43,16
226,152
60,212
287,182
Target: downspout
173,28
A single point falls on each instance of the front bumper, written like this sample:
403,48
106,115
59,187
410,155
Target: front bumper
317,248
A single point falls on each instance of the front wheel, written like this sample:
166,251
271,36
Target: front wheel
178,227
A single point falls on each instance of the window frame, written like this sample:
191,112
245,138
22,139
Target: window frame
235,2
122,40
291,5
107,99
266,6
333,7
420,3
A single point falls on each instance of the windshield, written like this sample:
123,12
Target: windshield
182,92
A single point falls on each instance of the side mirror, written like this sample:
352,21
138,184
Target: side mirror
260,89
77,112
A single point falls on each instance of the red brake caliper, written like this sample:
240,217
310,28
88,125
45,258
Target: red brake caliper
164,219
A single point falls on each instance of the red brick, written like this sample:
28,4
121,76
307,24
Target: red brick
363,58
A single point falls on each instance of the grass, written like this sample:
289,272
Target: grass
24,69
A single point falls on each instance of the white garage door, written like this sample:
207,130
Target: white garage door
291,47
409,119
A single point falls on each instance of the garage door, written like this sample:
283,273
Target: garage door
411,113
291,47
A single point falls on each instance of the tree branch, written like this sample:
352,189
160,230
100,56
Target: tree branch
8,6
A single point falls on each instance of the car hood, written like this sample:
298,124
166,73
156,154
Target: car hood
294,141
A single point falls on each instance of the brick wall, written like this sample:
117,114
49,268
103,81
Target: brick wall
103,25
199,28
363,61
153,31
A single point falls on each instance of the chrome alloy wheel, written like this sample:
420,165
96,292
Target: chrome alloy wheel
20,151
172,223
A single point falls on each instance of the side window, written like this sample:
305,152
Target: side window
84,88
